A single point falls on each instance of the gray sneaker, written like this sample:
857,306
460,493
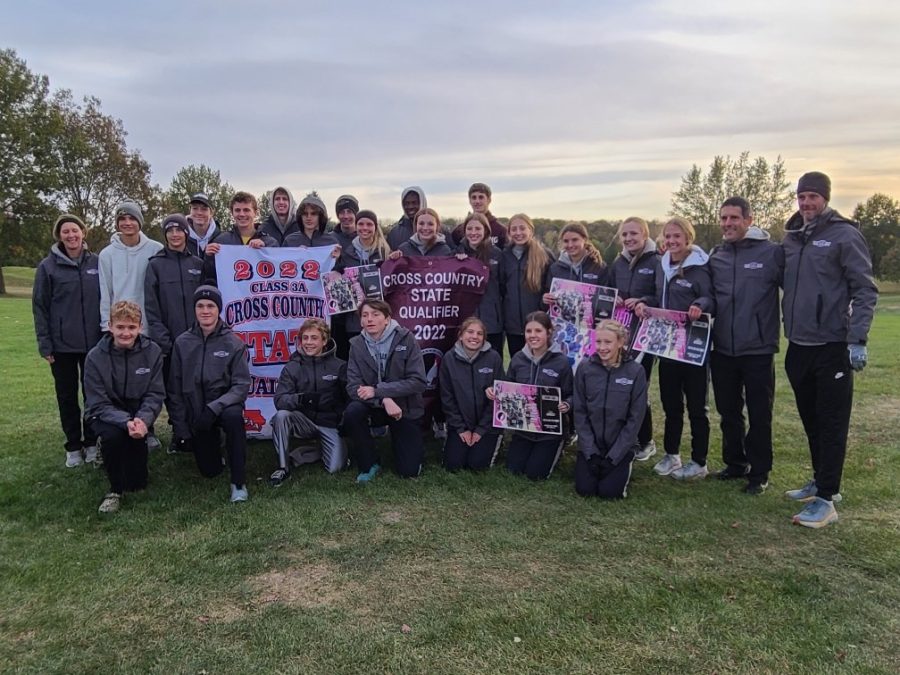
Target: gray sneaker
691,471
808,492
74,458
153,443
646,452
238,494
667,464
92,456
817,513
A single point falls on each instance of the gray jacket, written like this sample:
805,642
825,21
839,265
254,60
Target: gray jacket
121,384
463,381
746,276
638,279
65,301
315,386
413,247
678,289
609,408
518,301
211,371
169,286
829,292
404,373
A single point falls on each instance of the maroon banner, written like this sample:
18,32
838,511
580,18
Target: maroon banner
432,297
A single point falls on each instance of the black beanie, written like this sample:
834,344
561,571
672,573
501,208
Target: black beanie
347,202
208,293
817,182
365,213
175,220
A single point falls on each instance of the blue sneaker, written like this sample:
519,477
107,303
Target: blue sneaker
239,494
809,492
366,476
817,513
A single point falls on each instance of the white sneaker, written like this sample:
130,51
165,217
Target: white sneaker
691,471
667,464
74,458
239,494
110,503
646,452
92,456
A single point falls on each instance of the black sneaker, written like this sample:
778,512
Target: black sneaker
728,473
278,477
753,488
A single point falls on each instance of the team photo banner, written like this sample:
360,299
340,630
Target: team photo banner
267,294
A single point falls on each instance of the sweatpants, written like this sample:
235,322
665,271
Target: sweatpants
645,433
289,424
458,455
208,451
607,485
534,458
496,341
679,382
124,458
68,377
515,343
738,380
406,439
822,381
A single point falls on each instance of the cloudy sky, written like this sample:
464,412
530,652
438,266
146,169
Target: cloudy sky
569,109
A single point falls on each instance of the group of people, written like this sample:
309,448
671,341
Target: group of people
139,324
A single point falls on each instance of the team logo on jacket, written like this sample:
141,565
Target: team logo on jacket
400,348
485,371
591,276
220,354
821,243
329,377
753,266
195,272
645,270
550,372
623,380
683,282
142,371
92,272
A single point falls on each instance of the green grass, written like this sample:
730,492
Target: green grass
490,573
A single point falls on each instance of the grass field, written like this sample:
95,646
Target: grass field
449,573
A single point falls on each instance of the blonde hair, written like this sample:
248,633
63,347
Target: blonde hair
619,331
685,226
472,321
315,324
379,243
645,230
590,250
537,259
125,310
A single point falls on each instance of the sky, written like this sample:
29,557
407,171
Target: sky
574,110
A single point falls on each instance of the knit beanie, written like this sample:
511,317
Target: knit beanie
175,220
347,202
817,182
131,209
208,293
67,218
365,213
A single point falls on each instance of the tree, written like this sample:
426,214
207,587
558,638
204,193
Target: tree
765,186
98,171
190,180
879,221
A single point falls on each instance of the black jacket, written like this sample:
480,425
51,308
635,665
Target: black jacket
299,238
518,301
609,408
589,272
829,292
404,375
551,370
230,238
638,280
412,248
490,309
401,231
121,384
350,258
679,289
65,301
463,382
169,286
269,228
315,386
746,276
211,371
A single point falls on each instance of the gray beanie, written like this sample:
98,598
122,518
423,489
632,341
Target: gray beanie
132,209
817,182
67,218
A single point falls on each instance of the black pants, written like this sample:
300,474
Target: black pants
124,458
822,381
406,439
68,377
679,382
496,340
207,446
340,336
607,485
645,433
738,380
535,458
458,455
515,343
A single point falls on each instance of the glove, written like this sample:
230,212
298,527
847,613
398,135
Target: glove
206,420
859,356
600,466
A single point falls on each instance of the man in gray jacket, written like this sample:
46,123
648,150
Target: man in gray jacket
829,299
747,270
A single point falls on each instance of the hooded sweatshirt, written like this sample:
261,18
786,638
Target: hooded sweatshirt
463,379
197,244
746,276
315,386
66,302
122,270
403,229
680,286
414,247
319,237
275,227
551,369
829,292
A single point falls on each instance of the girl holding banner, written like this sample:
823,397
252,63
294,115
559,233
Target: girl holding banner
610,399
467,371
633,275
537,363
683,284
477,243
522,268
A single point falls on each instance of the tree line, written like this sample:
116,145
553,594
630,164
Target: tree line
63,155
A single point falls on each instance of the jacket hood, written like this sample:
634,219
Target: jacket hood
59,251
460,352
423,203
695,258
567,261
116,242
649,247
829,215
526,351
419,244
292,208
107,344
313,199
328,350
757,234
